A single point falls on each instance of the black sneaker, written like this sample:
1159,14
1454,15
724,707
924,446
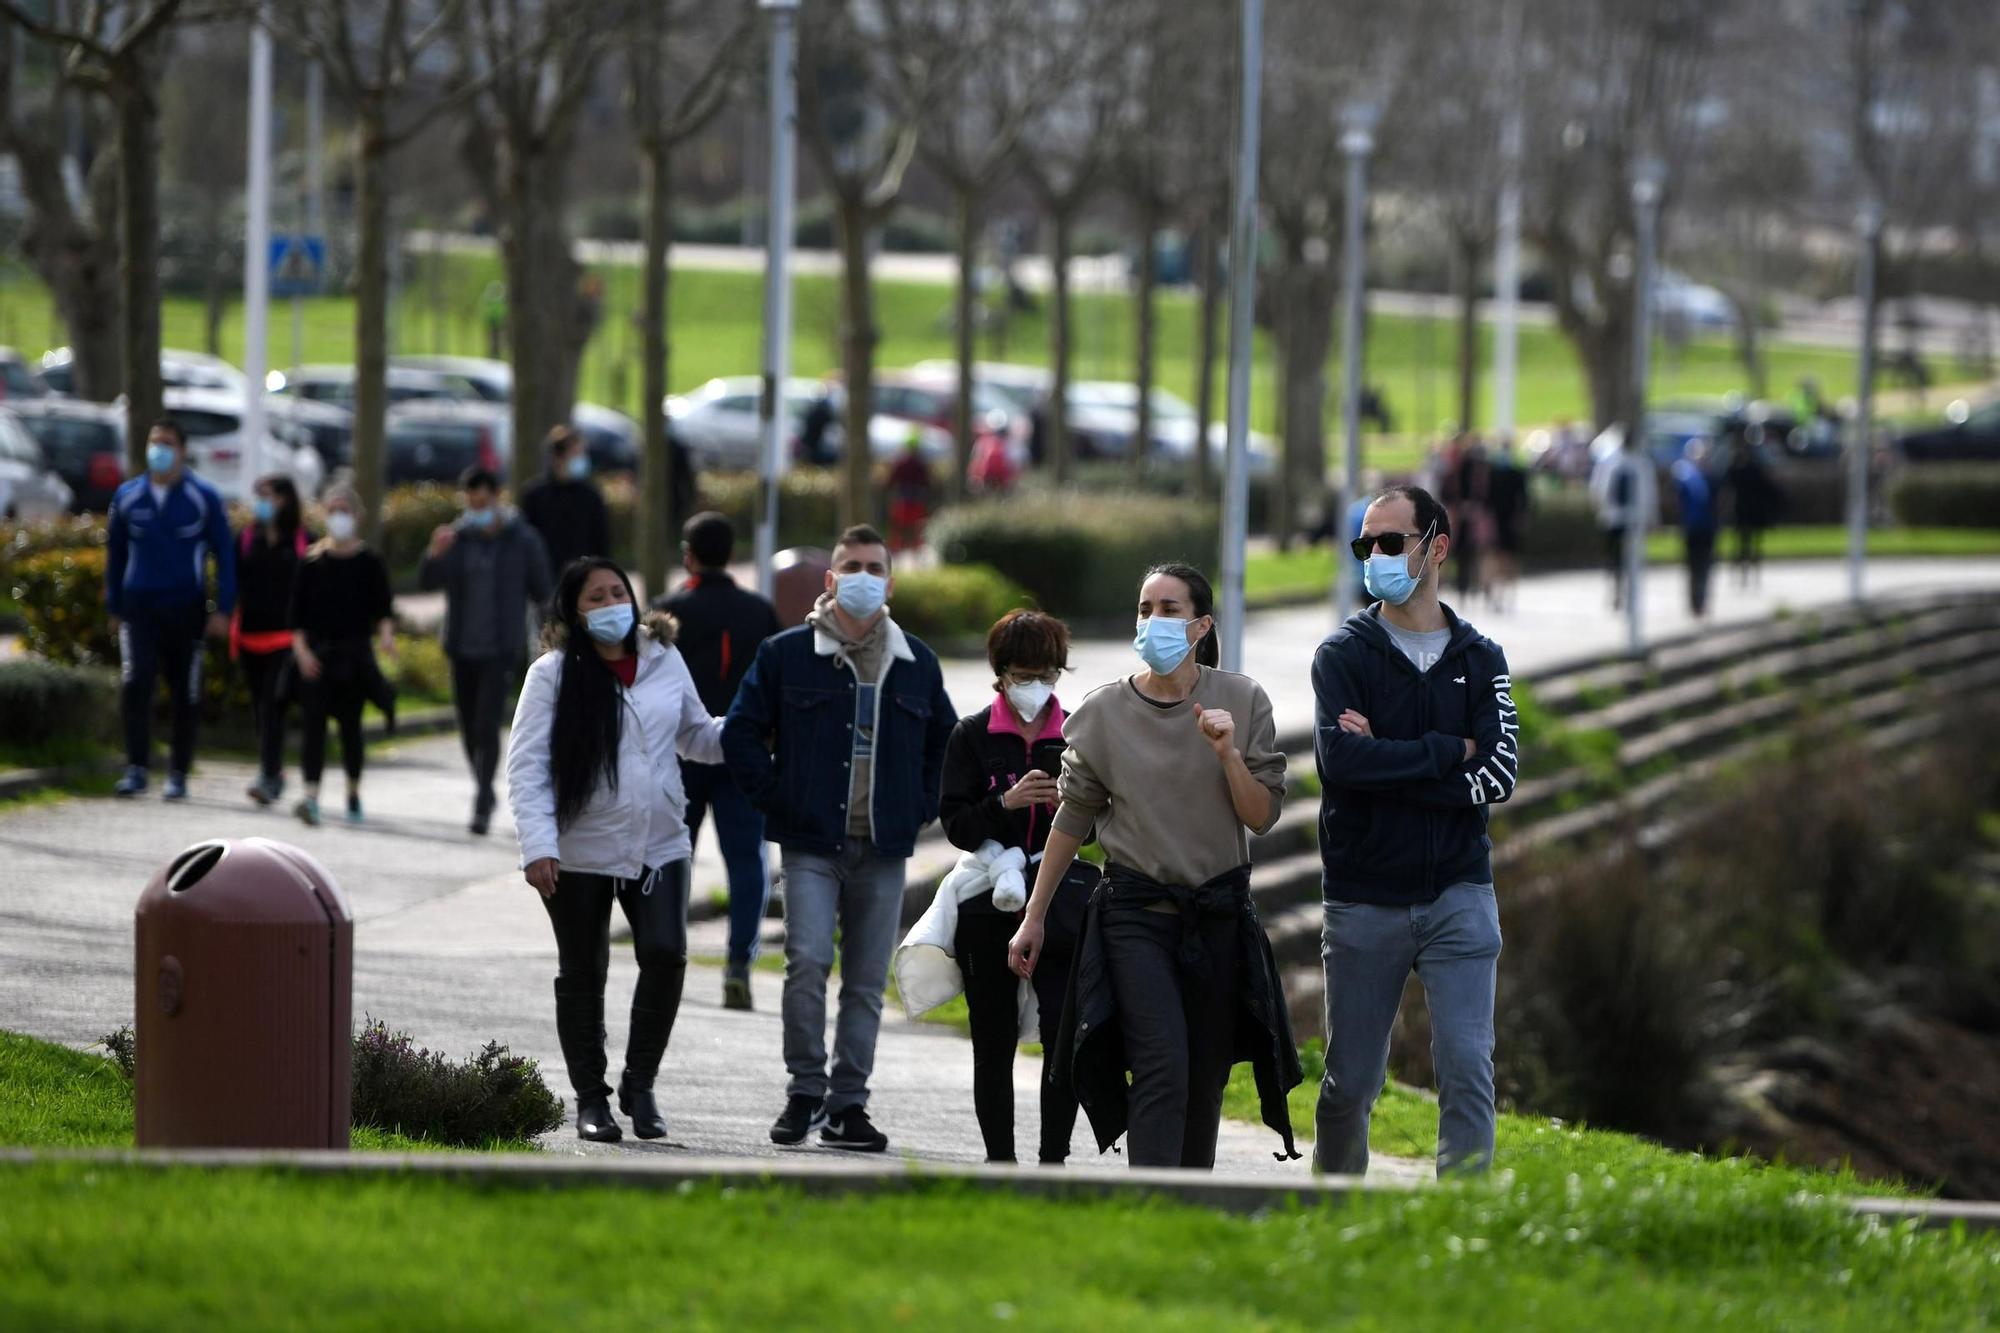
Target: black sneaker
852,1130
802,1115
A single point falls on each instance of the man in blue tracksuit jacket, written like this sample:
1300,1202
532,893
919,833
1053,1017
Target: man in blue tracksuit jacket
166,525
1416,740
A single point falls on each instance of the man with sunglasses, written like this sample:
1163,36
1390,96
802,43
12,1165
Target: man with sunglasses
1416,740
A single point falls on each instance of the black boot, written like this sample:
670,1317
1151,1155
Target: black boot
594,1123
580,1029
647,1043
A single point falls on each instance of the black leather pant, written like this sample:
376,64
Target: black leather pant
580,911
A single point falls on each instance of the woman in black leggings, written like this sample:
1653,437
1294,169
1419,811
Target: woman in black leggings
1000,786
340,605
594,781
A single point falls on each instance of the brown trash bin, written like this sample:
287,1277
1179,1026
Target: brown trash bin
245,982
798,577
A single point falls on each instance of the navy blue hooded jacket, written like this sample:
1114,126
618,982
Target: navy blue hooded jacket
1403,812
157,554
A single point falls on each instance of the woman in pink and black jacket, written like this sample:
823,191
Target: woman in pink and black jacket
999,785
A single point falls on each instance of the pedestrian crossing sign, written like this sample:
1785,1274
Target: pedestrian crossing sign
298,265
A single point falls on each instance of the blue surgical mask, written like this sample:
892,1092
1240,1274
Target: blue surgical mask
609,624
159,459
861,594
1388,576
578,467
264,509
1162,644
480,518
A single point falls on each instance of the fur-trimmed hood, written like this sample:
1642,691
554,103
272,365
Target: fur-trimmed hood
658,626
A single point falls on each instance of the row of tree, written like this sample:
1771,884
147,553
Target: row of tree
1770,122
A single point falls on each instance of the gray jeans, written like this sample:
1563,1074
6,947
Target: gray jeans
1453,944
860,891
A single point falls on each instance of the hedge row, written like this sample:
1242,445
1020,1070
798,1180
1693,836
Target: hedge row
1947,495
47,701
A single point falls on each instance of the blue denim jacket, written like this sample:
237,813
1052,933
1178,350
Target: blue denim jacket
789,741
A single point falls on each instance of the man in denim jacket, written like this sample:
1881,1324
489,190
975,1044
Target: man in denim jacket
838,735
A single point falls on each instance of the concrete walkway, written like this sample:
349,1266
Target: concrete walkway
452,947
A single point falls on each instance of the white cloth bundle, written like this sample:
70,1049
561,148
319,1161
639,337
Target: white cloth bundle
926,969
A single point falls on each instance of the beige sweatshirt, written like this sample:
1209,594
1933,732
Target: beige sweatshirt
865,657
1152,783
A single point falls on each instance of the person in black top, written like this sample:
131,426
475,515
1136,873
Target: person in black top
720,628
340,601
268,552
999,785
564,506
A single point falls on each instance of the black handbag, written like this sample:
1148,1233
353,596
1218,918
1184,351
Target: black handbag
1063,926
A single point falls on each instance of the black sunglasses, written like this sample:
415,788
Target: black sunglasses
1389,543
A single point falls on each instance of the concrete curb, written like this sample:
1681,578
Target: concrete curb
1234,1193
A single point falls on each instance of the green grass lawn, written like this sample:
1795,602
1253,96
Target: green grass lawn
716,319
1579,1230
1273,577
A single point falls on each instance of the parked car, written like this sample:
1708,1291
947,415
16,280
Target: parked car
84,442
436,441
718,424
213,422
1027,388
335,385
1973,438
1697,305
931,398
612,437
325,427
30,488
179,369
490,380
20,381
1104,415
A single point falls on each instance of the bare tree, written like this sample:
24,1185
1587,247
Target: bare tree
374,53
121,51
682,73
1063,154
538,61
72,244
866,84
969,145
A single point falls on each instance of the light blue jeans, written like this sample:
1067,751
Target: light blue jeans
1453,945
861,892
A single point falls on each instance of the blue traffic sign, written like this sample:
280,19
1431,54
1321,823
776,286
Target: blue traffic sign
298,265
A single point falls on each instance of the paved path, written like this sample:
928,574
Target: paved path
452,947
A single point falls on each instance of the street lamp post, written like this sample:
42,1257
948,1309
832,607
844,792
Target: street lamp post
1357,141
256,251
778,287
1648,179
1869,224
1242,330
1507,235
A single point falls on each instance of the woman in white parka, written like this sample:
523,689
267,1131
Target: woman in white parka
594,781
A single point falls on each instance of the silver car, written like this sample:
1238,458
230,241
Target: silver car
29,487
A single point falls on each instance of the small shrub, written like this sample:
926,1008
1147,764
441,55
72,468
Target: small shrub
72,532
61,595
123,1048
1079,556
409,514
423,1094
1947,495
1811,493
45,701
808,504
1561,532
954,602
420,669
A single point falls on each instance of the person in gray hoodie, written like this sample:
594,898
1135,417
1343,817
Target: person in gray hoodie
495,573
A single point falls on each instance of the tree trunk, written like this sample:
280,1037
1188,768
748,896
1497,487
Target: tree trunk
1749,348
961,420
1149,276
661,505
542,307
371,320
1307,338
139,260
1204,381
1468,330
1056,444
215,294
857,362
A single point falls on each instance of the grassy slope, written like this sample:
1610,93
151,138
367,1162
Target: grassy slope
1584,1229
716,329
1273,576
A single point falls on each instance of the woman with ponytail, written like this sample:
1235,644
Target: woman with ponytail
594,781
1173,980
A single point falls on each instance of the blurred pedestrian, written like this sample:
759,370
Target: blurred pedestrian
910,487
1174,981
1000,793
1468,487
838,734
564,506
593,779
1619,491
268,552
166,526
819,415
993,472
1755,503
341,607
493,570
1507,503
721,628
1696,494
